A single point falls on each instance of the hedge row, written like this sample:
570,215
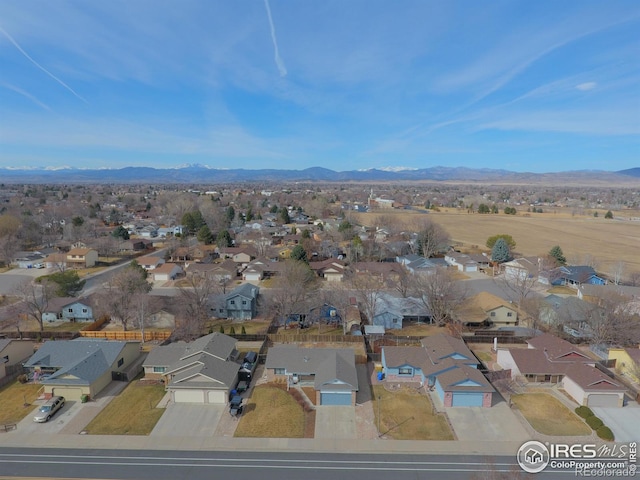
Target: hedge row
595,423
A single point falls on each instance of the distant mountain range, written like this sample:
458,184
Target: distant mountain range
199,174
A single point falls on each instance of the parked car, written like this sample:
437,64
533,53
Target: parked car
235,406
46,411
242,386
38,265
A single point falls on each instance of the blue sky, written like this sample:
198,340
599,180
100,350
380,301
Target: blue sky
527,86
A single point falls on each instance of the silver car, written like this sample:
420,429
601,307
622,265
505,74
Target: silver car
46,411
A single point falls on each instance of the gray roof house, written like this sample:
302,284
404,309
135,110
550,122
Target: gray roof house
203,371
331,371
73,368
239,304
443,363
390,311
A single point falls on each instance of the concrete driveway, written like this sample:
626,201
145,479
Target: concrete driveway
335,422
185,420
58,422
479,424
623,422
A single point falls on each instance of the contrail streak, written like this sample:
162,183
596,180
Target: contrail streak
20,49
26,95
279,63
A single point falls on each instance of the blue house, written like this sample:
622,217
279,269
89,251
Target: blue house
239,304
443,363
574,275
390,312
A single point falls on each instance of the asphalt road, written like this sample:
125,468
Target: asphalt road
175,465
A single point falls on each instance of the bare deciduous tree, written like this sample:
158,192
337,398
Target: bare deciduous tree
522,285
195,297
367,290
441,293
121,291
35,300
294,289
617,271
431,237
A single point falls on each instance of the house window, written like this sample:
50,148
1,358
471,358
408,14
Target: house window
70,310
159,369
120,362
493,314
278,371
244,302
232,302
509,314
405,371
84,310
222,310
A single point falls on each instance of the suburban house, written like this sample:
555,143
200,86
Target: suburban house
56,260
520,269
417,264
73,368
239,304
29,259
550,359
150,262
237,254
443,363
12,354
332,372
571,276
391,312
259,269
67,309
203,371
330,269
81,258
221,272
485,308
166,272
573,315
627,362
462,261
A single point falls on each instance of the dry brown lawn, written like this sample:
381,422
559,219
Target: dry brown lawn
312,330
271,413
251,327
408,415
607,240
133,412
415,329
12,399
549,416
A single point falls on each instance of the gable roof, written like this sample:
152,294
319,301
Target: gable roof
443,346
82,358
592,379
557,349
245,290
327,364
212,370
459,379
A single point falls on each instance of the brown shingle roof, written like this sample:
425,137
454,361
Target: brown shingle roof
592,379
557,348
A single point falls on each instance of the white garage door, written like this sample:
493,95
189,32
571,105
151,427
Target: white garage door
188,396
602,400
68,393
217,396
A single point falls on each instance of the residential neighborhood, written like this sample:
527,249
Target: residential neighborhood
200,325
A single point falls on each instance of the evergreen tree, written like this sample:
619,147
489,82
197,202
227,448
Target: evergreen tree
608,215
68,283
299,253
557,254
224,239
284,215
500,251
230,213
204,235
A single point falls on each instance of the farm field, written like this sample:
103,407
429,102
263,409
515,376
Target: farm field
608,241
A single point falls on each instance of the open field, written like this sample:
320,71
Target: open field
548,416
608,241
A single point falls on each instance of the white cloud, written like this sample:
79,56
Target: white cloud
586,86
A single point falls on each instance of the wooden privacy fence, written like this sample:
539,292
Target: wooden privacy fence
133,335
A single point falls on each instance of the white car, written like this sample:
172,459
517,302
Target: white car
38,265
46,411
